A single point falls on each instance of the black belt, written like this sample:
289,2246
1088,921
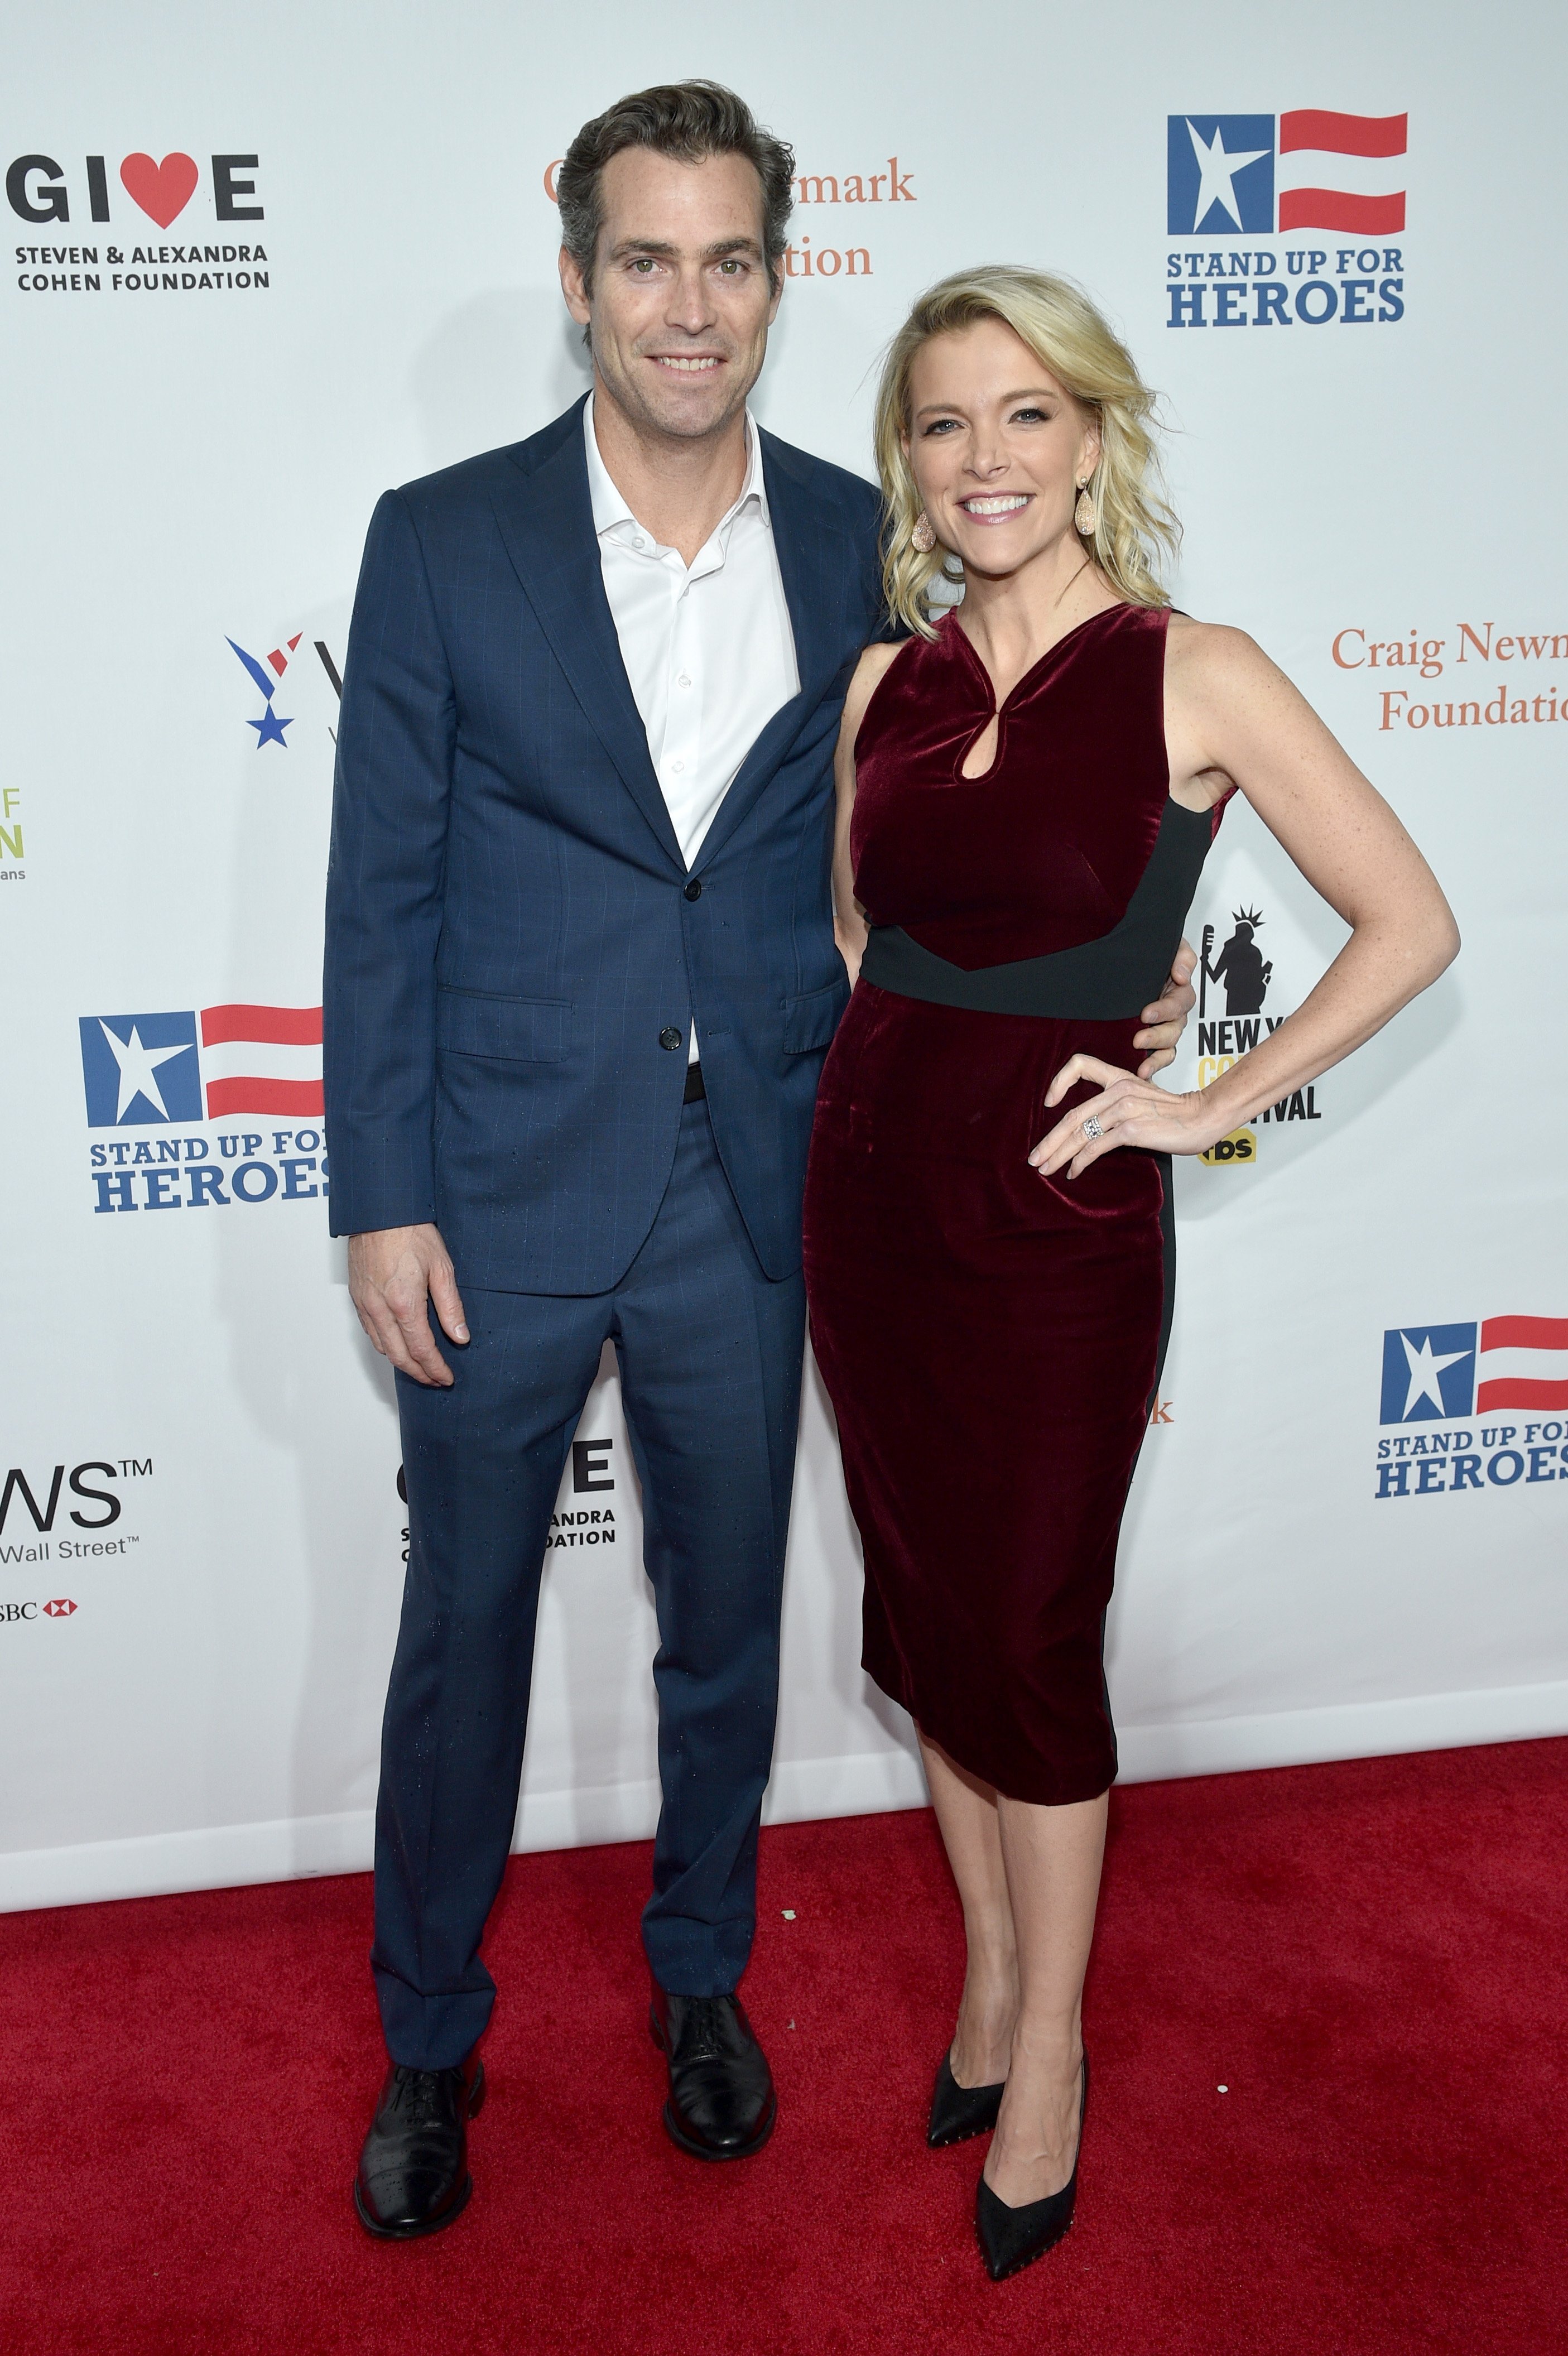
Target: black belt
1105,981
695,1088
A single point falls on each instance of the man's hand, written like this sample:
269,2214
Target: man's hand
392,1274
1167,1018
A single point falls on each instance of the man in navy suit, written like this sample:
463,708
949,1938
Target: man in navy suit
580,978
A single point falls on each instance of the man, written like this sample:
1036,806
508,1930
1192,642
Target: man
580,979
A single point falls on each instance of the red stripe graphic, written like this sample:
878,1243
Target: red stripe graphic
1328,208
226,1096
1342,134
1524,1333
278,1026
1518,1390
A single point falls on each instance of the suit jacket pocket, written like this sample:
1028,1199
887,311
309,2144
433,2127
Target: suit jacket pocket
811,1021
509,1030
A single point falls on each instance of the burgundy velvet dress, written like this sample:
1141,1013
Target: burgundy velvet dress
990,1338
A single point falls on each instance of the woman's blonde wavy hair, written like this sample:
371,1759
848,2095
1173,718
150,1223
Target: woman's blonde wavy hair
1135,532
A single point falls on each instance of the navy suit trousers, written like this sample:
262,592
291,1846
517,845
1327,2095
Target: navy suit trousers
710,1353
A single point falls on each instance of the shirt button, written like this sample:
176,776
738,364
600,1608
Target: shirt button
684,680
694,888
677,765
669,1037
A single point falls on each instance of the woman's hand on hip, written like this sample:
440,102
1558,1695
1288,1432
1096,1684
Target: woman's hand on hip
1128,1111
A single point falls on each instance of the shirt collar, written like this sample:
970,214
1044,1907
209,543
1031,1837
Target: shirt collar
610,508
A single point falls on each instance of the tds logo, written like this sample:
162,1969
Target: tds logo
40,191
1437,1375
1239,1148
1251,176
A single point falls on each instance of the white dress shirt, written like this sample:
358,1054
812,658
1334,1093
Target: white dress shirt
708,649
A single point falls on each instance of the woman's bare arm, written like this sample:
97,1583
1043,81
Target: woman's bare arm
849,924
1233,718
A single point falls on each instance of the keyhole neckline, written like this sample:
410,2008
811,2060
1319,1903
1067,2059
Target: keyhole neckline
998,712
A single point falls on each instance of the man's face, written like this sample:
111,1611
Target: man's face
681,301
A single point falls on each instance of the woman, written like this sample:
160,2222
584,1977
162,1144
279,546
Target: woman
1026,790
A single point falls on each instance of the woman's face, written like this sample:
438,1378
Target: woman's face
996,447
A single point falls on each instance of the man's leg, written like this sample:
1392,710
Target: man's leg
710,1353
482,1464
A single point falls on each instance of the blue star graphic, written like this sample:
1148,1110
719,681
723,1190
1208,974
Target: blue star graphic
269,729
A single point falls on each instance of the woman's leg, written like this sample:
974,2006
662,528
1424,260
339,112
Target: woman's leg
1052,1858
966,1814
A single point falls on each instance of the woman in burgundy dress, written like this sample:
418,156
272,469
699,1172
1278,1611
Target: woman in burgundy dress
1028,788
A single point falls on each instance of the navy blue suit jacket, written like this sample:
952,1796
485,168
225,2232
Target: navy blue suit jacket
509,924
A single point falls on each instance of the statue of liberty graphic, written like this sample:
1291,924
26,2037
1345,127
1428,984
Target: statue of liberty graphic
1241,965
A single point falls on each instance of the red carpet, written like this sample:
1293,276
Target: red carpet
1372,1957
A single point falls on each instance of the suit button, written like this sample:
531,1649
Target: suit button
694,888
669,1037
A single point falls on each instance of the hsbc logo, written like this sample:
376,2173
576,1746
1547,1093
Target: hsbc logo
59,1607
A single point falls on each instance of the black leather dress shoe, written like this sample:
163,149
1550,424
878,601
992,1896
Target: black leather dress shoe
721,2104
959,2111
1012,2239
413,2171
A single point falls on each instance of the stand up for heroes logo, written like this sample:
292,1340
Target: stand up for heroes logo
1265,175
155,1071
1436,1375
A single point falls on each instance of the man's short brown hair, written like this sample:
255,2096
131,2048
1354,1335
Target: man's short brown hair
690,120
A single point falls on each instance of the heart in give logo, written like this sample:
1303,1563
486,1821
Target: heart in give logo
163,190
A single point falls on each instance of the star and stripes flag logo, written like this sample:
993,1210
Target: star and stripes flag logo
1308,168
1434,1372
209,1063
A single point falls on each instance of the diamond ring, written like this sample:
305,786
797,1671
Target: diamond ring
1093,1128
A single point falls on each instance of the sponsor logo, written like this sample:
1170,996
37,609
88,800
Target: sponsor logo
1489,696
570,1526
1267,176
1238,970
11,868
267,672
41,192
163,1070
91,1492
1441,1375
890,184
578,1526
1231,1152
58,1607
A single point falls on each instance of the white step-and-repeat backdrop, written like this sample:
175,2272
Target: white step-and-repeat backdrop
263,263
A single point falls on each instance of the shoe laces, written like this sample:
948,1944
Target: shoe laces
702,2039
418,2094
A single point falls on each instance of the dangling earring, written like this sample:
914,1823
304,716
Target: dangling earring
923,537
1085,516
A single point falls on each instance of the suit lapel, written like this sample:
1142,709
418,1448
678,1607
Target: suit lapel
546,520
814,563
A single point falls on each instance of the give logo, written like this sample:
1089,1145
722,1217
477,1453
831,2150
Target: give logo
37,188
163,190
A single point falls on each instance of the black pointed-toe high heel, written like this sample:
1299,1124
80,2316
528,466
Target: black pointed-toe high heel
959,2111
1010,2239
